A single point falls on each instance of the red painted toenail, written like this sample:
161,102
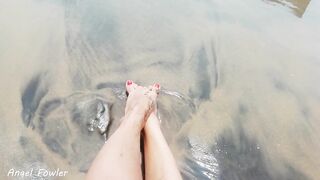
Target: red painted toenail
157,85
129,82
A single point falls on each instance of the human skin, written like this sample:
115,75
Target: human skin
158,158
120,157
159,161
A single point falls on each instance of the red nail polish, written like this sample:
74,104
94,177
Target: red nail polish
157,85
129,82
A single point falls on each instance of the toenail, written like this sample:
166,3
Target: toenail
157,85
129,82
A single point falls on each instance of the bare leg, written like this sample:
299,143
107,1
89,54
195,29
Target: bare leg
120,157
159,161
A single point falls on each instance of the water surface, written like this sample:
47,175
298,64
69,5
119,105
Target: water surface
241,97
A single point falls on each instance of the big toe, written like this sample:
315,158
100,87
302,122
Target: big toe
154,90
156,87
130,86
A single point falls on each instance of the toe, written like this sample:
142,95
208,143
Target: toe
130,86
154,91
156,87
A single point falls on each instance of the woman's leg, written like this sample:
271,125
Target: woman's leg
159,161
120,157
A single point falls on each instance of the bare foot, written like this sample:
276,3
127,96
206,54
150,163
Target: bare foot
140,102
153,122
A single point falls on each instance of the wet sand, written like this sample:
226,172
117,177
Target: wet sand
240,100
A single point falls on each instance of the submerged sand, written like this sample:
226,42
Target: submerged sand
240,100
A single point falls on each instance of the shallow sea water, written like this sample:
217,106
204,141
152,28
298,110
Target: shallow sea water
241,91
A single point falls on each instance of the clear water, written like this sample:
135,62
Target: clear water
241,95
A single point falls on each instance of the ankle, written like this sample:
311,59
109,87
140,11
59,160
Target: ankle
152,124
132,121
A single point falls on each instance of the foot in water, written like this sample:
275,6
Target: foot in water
141,101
